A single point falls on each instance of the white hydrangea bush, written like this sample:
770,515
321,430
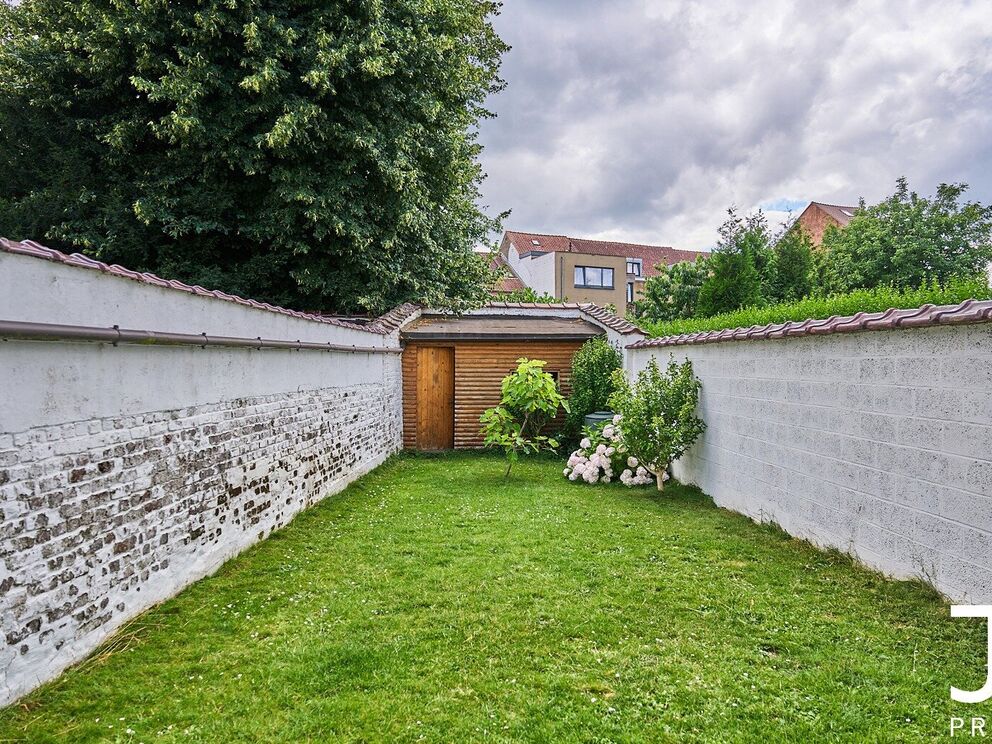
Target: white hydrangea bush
602,457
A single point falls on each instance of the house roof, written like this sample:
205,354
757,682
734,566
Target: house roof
526,242
839,212
489,327
651,255
510,282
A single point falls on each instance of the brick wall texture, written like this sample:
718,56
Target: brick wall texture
876,443
102,518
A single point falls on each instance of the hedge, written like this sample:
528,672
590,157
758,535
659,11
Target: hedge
849,303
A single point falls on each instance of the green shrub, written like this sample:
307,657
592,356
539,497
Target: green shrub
530,398
861,300
673,292
658,420
527,294
592,384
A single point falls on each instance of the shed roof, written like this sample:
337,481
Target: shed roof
500,327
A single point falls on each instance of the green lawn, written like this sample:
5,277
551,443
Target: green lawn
432,601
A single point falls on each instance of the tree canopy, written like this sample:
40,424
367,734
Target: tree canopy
738,268
673,292
908,240
791,270
318,153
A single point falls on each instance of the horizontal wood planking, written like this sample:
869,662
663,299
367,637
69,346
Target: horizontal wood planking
480,367
410,396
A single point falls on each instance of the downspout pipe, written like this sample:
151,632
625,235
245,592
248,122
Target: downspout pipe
25,331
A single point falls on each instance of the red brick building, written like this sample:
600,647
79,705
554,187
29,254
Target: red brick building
817,217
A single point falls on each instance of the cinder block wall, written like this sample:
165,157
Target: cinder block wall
128,472
878,443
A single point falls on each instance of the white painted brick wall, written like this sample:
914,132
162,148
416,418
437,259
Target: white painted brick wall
876,443
128,472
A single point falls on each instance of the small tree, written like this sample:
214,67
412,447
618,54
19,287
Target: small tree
658,414
592,381
530,398
740,267
792,266
672,294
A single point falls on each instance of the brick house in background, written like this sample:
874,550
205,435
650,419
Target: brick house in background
580,270
817,217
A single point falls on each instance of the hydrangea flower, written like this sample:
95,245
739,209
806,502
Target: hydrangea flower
602,455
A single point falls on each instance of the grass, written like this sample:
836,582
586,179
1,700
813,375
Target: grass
816,308
432,601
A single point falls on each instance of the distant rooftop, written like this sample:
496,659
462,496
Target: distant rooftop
651,255
840,213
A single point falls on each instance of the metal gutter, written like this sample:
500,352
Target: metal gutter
14,329
507,337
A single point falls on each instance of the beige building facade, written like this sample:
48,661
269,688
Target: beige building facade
582,270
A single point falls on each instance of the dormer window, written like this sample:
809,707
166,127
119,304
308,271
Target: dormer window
635,266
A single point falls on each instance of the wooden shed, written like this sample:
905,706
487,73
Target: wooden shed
453,366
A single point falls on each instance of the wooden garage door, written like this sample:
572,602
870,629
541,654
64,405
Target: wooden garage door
435,397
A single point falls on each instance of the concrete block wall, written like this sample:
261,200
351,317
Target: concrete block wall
878,443
128,472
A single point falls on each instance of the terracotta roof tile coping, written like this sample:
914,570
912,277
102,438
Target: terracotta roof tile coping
969,311
382,325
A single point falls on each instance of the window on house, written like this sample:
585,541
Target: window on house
630,291
594,277
634,266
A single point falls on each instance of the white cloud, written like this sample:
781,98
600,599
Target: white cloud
646,119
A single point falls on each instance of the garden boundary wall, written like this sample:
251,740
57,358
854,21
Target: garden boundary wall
871,434
150,430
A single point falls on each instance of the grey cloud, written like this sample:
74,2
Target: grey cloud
645,120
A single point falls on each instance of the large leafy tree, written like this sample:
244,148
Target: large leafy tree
739,267
320,153
908,240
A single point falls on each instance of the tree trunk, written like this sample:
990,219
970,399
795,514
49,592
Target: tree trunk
659,477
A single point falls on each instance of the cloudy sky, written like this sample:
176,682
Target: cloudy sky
644,120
